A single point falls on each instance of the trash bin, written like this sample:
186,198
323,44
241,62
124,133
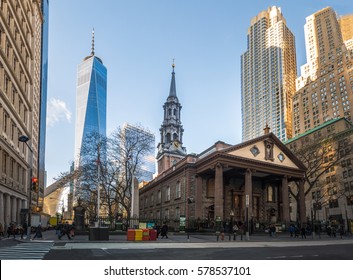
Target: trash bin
145,234
153,234
130,235
138,234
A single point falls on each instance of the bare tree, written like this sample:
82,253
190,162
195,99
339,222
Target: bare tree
133,144
323,178
108,167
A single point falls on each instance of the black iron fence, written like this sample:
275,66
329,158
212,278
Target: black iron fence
187,225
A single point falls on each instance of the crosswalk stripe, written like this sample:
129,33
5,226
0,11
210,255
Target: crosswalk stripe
28,250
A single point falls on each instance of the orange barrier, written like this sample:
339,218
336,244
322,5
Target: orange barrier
130,235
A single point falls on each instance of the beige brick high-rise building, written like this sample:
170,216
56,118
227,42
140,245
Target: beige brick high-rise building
20,89
324,89
268,73
346,24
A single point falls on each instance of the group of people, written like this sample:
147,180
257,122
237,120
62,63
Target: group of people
13,229
65,229
163,231
332,231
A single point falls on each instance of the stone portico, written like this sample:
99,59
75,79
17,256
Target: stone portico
217,183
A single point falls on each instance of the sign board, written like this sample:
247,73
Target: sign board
182,223
247,200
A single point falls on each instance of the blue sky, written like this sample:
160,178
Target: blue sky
137,41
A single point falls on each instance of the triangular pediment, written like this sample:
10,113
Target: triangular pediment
268,149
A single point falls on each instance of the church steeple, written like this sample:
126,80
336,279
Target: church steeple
170,149
172,91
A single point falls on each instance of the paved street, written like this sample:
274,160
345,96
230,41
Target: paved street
178,247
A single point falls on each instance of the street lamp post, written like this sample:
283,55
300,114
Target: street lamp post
25,139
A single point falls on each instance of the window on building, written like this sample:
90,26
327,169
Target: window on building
166,214
152,199
167,194
159,197
177,213
177,190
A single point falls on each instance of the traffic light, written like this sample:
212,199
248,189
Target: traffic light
35,184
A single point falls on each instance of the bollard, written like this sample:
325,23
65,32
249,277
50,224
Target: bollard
188,237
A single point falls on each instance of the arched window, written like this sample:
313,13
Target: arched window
167,138
169,112
174,112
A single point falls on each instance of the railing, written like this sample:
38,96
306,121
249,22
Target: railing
190,225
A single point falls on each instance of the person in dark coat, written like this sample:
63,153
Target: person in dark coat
38,233
164,231
158,229
65,230
303,232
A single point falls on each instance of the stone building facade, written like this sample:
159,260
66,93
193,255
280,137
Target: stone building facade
20,104
330,200
221,182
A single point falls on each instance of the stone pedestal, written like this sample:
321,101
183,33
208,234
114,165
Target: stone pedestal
79,218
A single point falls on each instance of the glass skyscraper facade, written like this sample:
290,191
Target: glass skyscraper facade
43,98
91,100
268,73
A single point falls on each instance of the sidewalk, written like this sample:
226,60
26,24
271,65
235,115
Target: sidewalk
182,240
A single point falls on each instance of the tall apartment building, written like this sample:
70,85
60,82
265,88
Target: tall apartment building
20,106
325,87
268,73
346,24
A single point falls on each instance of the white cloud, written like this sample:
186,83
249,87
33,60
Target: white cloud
57,111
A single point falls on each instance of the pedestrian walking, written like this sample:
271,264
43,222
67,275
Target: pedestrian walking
65,230
158,229
38,233
273,230
164,231
291,230
303,232
341,231
11,230
25,228
296,231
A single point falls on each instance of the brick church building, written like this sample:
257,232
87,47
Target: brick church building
223,183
